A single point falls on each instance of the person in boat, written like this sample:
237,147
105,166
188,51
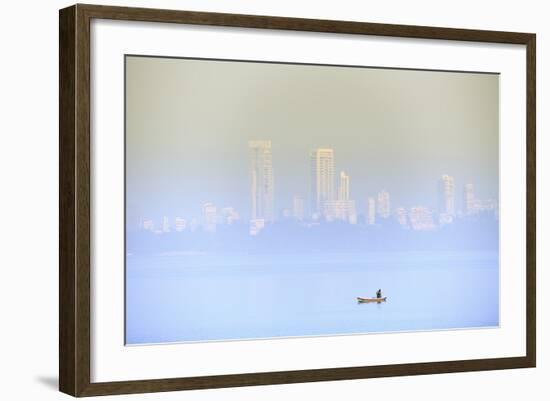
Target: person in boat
379,293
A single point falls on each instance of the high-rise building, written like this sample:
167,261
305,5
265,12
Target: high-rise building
298,208
384,204
371,211
468,203
446,195
322,178
343,208
473,206
256,225
343,187
340,210
210,215
401,216
148,224
229,215
421,218
261,180
180,224
484,205
165,224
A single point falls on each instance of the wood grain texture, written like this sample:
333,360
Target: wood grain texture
301,24
74,199
531,201
67,288
82,200
302,376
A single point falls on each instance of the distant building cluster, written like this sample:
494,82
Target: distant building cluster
342,208
472,205
421,218
329,200
211,217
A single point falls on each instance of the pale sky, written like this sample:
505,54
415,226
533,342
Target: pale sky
188,123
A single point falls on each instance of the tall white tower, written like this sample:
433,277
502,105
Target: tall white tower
261,180
468,205
165,224
384,204
210,215
446,195
343,188
322,178
371,211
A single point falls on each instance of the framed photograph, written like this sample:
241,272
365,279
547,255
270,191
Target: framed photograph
250,200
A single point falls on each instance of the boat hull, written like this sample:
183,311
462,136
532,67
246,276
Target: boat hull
366,300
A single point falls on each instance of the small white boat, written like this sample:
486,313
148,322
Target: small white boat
360,299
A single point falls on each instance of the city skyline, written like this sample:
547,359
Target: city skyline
416,217
329,200
187,134
299,188
326,186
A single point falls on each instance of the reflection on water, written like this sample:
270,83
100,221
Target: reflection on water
201,297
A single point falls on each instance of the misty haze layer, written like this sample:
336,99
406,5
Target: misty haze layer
262,199
189,123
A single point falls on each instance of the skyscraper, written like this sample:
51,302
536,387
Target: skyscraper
165,224
473,206
342,208
229,215
343,187
322,178
384,204
485,205
148,224
401,216
468,202
210,215
256,225
371,211
261,180
180,224
446,195
421,218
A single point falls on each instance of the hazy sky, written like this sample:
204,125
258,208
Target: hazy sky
189,122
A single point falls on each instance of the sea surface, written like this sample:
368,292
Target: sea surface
182,297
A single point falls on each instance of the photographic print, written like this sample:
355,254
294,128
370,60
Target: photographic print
274,200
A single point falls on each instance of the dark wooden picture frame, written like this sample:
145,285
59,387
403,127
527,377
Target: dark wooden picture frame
74,199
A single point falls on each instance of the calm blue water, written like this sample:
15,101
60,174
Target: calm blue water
239,296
